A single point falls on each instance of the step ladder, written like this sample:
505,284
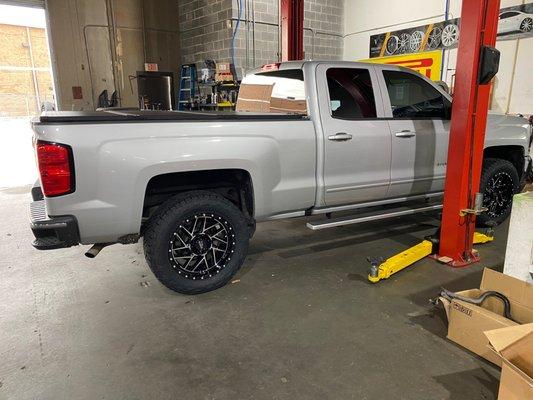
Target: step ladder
188,85
374,215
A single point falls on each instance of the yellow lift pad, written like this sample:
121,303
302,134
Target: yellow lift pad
410,256
401,261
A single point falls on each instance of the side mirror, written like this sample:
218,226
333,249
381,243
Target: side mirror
443,85
489,64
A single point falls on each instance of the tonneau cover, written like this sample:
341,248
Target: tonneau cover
134,115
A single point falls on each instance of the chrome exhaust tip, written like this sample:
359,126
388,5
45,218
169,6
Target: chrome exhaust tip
95,249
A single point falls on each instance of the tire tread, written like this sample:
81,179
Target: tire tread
161,217
491,166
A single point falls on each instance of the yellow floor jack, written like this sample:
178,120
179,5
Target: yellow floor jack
383,269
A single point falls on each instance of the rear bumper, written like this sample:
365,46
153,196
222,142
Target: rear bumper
52,232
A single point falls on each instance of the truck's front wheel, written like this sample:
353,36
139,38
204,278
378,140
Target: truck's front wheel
499,183
196,242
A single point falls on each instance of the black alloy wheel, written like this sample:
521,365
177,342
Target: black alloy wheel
499,183
201,246
196,242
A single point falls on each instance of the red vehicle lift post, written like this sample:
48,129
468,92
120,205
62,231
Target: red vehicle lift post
292,30
479,23
477,63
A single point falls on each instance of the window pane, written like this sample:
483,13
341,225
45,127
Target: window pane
280,91
350,93
412,97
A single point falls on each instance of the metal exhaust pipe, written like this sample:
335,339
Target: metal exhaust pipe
95,249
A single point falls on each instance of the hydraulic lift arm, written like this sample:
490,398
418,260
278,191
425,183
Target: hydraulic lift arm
380,269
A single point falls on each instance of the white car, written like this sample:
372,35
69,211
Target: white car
511,21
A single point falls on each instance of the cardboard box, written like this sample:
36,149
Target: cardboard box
290,106
514,346
258,98
254,98
468,322
223,73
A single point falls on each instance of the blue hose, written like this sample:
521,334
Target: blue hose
235,33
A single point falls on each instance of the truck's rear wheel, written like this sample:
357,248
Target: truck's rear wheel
196,242
499,183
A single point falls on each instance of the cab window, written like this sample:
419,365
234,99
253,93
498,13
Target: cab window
350,93
412,97
275,91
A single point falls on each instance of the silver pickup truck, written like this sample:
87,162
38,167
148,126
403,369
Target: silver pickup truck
194,184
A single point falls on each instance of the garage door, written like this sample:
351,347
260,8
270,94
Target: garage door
24,3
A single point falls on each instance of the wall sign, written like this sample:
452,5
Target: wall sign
514,22
427,63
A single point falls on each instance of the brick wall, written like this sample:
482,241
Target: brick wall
325,17
206,32
17,85
323,27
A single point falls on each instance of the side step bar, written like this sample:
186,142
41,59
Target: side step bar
371,216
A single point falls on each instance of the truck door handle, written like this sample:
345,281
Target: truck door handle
405,134
340,137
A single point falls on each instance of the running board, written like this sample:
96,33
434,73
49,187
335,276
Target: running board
371,216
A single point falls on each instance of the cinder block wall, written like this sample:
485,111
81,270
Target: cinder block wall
205,30
325,18
207,27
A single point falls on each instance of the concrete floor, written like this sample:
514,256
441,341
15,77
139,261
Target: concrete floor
301,322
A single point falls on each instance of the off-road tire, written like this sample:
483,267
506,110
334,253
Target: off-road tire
494,169
166,220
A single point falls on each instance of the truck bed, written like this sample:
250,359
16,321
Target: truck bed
134,115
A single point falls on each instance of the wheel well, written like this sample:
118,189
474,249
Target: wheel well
233,184
513,154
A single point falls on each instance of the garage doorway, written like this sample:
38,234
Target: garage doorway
26,86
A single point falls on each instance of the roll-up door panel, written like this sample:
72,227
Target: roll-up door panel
24,3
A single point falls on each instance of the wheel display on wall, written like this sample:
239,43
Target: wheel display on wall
392,45
403,43
450,35
434,38
415,41
526,25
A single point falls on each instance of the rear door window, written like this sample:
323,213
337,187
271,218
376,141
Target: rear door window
350,93
279,91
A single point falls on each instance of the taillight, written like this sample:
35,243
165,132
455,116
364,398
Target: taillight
56,168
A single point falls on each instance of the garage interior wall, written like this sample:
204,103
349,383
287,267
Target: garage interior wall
100,45
206,29
323,27
512,90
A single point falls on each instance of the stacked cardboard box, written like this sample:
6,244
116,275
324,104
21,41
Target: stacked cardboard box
258,98
514,347
468,322
223,73
484,330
